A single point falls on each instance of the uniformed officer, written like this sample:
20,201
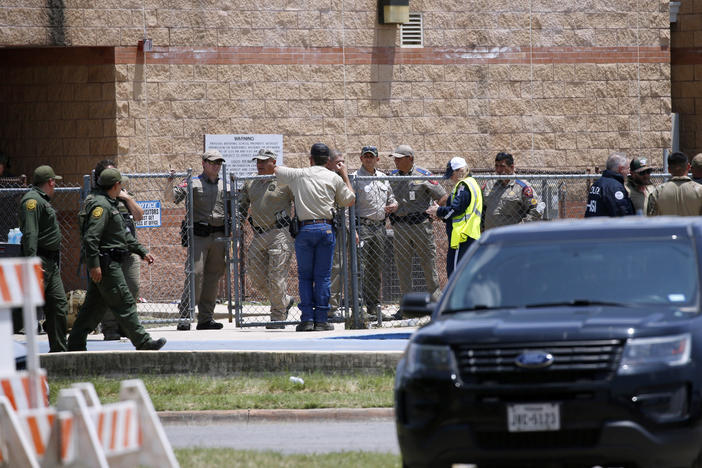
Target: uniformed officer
510,201
696,168
638,184
41,236
462,212
316,189
334,314
374,202
131,212
680,196
209,253
106,243
413,230
607,196
269,205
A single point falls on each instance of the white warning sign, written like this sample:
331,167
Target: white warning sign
239,150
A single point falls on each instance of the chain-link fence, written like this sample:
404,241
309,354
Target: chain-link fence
379,258
376,260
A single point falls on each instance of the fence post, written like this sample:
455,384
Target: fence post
228,218
190,273
357,315
238,247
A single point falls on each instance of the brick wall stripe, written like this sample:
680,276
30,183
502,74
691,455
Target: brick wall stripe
391,55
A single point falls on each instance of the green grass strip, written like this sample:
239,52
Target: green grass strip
195,393
230,458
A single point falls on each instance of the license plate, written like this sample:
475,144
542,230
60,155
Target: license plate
533,417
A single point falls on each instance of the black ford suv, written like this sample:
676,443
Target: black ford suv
575,343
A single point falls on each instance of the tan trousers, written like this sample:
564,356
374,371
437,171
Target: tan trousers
410,240
268,264
210,262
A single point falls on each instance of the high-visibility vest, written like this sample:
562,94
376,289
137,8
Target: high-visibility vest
467,224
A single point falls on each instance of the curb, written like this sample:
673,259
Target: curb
262,415
218,363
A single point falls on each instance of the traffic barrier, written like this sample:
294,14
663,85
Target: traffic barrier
17,389
79,431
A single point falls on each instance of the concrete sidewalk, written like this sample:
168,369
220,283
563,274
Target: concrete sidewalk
235,350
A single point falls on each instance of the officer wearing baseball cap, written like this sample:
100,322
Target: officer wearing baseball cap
41,237
374,202
268,204
413,230
462,213
209,253
638,184
106,244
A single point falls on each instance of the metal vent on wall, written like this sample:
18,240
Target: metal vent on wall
412,32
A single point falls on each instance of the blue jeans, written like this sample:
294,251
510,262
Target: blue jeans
314,248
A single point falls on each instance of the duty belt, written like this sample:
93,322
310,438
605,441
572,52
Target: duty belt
204,229
315,221
412,218
116,255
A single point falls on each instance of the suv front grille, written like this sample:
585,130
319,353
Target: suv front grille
573,361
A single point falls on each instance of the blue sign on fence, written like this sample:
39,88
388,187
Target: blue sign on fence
152,214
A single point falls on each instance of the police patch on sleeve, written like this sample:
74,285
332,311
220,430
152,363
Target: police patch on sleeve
97,212
618,195
31,205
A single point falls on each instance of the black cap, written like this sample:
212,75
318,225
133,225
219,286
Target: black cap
320,149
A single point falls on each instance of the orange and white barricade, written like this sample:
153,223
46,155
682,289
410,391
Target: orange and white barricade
79,431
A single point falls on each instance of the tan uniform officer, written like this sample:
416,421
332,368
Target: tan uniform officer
374,202
510,201
638,184
679,196
209,254
269,205
413,230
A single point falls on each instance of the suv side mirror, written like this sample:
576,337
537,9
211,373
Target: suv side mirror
415,305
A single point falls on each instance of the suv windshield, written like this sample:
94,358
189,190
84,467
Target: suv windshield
582,272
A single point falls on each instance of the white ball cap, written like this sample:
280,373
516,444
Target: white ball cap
457,163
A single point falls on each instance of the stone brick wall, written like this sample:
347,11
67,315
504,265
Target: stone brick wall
558,84
686,74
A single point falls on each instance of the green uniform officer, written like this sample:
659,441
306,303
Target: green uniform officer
41,237
106,243
131,212
413,230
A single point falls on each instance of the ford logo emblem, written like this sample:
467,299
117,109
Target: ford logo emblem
534,359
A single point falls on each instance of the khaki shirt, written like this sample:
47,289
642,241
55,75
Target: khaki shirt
372,196
38,223
208,200
512,203
639,195
415,196
265,198
679,196
315,189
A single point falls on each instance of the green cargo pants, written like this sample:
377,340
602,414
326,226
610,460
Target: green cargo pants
131,269
113,292
55,306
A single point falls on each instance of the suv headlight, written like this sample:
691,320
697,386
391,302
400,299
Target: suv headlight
429,360
663,351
